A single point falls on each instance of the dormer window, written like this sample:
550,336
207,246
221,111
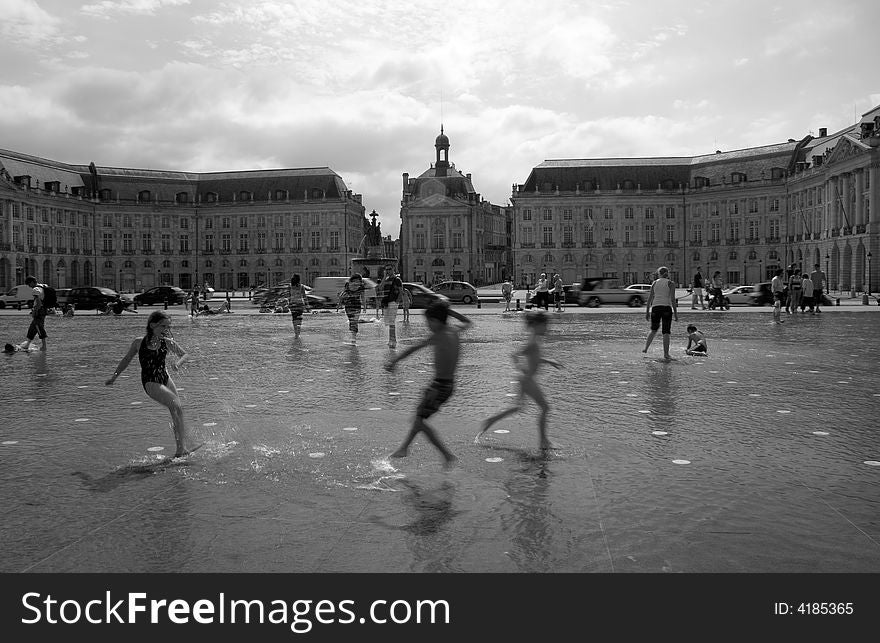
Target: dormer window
144,196
105,195
211,197
701,181
181,197
244,195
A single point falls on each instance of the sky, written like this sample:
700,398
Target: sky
363,86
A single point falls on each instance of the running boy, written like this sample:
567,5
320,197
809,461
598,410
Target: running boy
698,340
445,340
530,354
350,297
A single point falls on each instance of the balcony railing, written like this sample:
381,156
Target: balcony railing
835,232
860,228
670,244
568,244
609,244
527,245
649,244
847,231
588,244
107,253
773,239
630,244
548,244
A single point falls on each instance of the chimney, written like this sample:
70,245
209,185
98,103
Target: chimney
823,132
405,180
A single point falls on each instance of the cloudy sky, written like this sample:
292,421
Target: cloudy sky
361,86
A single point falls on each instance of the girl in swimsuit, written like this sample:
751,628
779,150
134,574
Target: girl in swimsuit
152,349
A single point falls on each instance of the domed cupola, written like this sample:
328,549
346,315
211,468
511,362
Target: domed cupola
442,145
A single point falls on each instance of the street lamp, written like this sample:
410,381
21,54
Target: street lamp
761,269
627,273
827,275
869,272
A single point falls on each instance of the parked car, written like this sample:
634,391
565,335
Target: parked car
161,294
596,291
740,295
421,295
571,292
17,297
457,291
62,295
92,297
640,287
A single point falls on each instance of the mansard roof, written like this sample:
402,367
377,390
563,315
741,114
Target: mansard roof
457,184
165,184
649,172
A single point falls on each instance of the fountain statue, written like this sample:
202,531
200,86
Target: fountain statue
372,261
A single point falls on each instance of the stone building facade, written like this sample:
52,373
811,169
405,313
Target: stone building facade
447,232
131,229
744,213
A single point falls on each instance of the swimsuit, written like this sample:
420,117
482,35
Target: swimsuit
153,363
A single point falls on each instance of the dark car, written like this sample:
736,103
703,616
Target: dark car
93,297
161,294
277,297
422,296
763,296
596,291
570,291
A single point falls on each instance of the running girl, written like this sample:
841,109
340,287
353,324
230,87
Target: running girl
351,297
152,350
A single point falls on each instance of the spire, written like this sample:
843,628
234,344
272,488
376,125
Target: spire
442,145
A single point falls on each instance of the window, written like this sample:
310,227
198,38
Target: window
628,213
528,235
753,206
334,240
146,242
143,196
279,242
588,235
649,213
670,212
166,222
184,243
438,240
733,207
166,243
566,214
527,215
628,233
608,213
547,235
609,234
184,223
226,242
774,229
127,242
733,231
419,240
244,195
106,245
548,214
315,240
242,242
650,234
209,223
316,219
568,234
296,240
108,221
697,230
588,214
209,243
242,222
715,232
774,205
181,197
226,223
670,235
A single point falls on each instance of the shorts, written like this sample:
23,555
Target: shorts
699,348
662,314
779,296
434,396
296,312
389,313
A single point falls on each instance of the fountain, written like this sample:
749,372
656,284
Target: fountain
372,263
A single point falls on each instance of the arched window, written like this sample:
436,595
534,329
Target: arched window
438,262
244,195
105,195
548,258
314,262
181,197
280,195
243,263
144,196
148,264
629,184
211,197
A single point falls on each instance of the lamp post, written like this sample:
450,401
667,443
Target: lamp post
58,275
869,272
827,275
744,280
760,270
627,279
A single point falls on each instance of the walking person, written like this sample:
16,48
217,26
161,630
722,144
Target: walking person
194,302
351,298
297,303
661,309
819,286
777,287
717,286
446,342
558,293
697,290
807,293
405,302
795,290
152,350
527,360
391,286
38,316
507,293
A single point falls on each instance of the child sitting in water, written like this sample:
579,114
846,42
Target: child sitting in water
698,340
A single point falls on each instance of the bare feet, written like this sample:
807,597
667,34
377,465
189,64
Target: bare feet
184,452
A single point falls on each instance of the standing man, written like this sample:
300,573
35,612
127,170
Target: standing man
558,292
777,287
507,293
662,308
818,279
194,302
697,289
38,314
391,287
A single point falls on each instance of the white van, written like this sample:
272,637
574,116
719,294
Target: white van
329,287
18,296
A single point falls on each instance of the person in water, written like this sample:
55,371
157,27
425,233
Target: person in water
152,350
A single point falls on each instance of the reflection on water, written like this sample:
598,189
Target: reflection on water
776,425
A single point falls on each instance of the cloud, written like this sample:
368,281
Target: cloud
108,8
26,23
